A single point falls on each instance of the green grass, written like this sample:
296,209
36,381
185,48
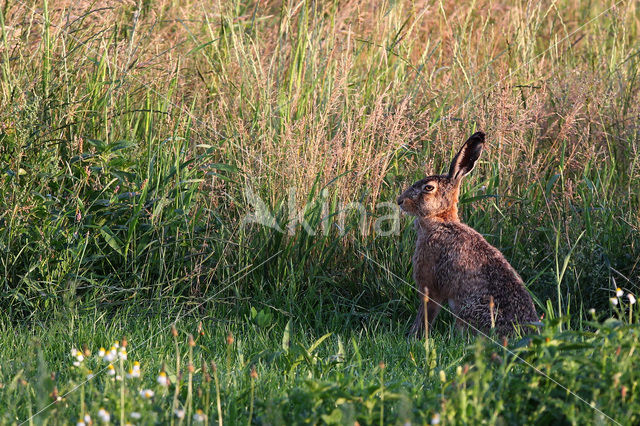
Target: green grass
131,135
340,377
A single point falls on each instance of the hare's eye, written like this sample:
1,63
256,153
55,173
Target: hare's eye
428,188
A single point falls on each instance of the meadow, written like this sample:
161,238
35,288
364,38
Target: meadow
196,222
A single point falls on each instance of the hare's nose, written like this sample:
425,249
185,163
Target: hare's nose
400,201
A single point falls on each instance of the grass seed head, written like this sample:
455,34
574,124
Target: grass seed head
616,379
425,295
205,372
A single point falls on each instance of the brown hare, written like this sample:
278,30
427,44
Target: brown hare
455,263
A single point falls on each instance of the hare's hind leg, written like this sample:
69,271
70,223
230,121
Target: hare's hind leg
473,317
418,323
433,308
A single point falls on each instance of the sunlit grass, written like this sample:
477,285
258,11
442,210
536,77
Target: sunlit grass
130,135
276,375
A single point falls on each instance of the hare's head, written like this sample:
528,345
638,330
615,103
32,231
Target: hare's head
437,196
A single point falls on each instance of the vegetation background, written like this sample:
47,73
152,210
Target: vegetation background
132,132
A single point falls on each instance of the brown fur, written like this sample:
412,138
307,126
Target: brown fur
455,263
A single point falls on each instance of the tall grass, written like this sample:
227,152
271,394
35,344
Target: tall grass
136,136
131,133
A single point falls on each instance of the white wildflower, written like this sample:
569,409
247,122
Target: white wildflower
619,292
162,379
111,355
632,299
110,370
199,416
135,415
78,356
179,413
614,301
147,393
135,371
104,415
102,352
435,419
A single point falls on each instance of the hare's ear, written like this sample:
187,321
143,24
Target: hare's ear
466,158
